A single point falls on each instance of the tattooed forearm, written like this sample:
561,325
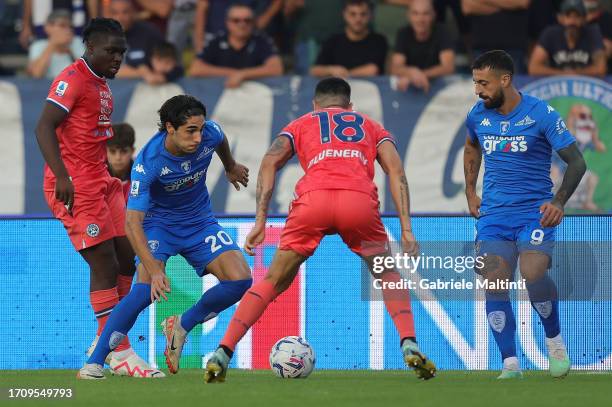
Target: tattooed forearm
576,167
471,165
277,155
404,196
262,197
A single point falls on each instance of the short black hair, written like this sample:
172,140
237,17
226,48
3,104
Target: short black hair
100,26
497,60
359,3
333,88
165,49
124,136
178,109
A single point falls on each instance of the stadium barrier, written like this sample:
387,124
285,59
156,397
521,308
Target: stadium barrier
429,129
46,321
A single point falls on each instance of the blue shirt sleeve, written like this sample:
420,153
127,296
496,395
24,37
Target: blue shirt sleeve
470,128
142,176
216,131
554,129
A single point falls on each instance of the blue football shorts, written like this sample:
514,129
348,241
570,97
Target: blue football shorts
199,244
509,234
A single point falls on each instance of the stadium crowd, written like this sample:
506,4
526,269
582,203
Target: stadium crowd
414,40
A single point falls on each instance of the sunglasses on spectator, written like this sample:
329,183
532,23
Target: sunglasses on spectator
245,20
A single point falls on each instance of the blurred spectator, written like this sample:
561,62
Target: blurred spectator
155,12
541,14
462,21
165,66
141,38
48,57
35,13
119,152
240,54
571,47
499,24
356,52
423,50
314,21
210,17
180,23
597,15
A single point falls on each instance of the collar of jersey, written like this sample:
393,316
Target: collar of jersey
515,111
90,70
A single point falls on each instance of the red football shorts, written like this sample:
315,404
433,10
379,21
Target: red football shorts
98,212
351,214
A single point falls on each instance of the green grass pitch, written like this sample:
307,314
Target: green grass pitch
322,388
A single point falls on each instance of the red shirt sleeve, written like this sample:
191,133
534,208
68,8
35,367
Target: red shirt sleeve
381,133
290,131
64,91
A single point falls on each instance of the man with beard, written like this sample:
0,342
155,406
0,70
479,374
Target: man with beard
357,51
518,214
570,48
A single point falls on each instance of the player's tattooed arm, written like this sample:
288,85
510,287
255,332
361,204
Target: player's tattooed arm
391,163
576,167
50,119
472,159
276,157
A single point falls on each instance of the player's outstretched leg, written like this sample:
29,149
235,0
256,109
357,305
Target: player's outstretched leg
234,279
282,271
121,320
544,299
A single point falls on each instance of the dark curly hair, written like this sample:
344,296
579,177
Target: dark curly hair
99,26
178,109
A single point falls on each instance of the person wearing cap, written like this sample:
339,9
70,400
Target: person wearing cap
570,48
48,57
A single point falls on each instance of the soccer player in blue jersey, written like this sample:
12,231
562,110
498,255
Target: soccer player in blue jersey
169,213
517,215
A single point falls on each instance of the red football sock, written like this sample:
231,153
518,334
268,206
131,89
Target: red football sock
103,302
398,306
124,284
251,307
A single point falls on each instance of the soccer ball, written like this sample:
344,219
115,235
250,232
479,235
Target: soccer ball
292,357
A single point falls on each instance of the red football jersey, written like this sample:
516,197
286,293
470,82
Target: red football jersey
336,148
82,135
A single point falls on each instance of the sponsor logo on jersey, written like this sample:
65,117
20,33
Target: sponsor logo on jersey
509,144
485,122
187,182
61,88
134,188
165,171
526,121
331,153
140,169
93,230
186,166
504,127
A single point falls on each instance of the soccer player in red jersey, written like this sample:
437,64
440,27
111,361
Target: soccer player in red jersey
72,132
336,147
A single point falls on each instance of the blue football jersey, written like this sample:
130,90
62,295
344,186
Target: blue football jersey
517,151
170,189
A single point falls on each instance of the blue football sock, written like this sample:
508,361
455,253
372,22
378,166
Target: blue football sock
502,322
544,299
121,321
222,296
